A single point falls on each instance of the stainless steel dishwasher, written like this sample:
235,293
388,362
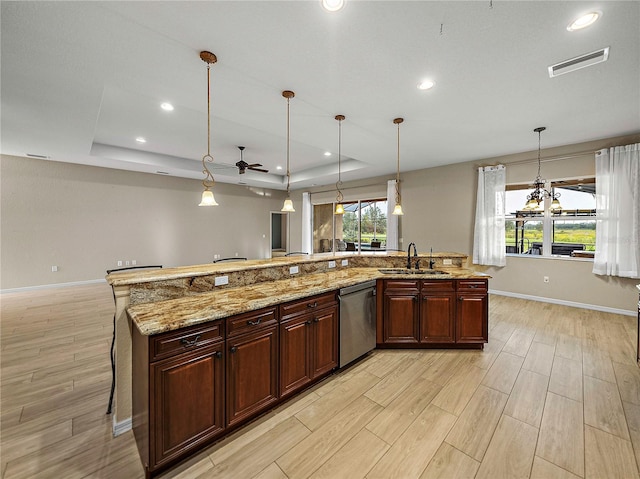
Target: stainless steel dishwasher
357,321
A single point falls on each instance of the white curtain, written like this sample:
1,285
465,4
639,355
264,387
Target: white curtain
392,220
488,239
618,212
307,224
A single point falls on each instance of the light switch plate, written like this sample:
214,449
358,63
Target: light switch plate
345,262
293,270
332,264
221,280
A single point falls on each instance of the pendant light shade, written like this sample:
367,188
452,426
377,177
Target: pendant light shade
397,210
207,194
208,199
339,206
287,207
535,200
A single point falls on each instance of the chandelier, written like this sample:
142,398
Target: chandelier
535,200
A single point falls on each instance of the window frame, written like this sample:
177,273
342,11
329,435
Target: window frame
549,218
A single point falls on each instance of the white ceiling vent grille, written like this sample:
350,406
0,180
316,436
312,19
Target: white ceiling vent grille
577,63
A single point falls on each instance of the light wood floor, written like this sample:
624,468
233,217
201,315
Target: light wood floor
555,393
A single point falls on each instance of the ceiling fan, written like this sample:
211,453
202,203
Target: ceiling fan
243,166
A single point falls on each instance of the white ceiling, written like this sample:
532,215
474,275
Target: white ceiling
81,80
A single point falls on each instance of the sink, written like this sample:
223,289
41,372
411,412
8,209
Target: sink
411,271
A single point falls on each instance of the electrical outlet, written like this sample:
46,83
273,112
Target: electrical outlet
236,255
133,262
332,264
221,280
447,261
545,279
345,262
293,270
119,263
54,269
126,263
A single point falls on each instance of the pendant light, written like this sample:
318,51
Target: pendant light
397,210
287,207
539,193
339,206
207,194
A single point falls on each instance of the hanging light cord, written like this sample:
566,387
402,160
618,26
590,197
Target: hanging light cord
288,141
339,198
208,181
398,167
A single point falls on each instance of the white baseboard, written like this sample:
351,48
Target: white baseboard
49,286
595,307
122,426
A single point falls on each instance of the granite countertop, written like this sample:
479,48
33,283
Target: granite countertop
168,315
148,276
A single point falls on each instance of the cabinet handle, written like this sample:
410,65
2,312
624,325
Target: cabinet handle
218,354
316,320
473,285
307,322
460,298
312,305
254,323
186,343
233,349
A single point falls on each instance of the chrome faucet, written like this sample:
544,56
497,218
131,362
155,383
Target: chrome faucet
415,254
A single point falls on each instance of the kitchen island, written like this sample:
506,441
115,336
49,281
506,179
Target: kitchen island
272,327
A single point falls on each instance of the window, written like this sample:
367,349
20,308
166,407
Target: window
363,227
569,232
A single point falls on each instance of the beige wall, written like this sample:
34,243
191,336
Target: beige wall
84,219
439,206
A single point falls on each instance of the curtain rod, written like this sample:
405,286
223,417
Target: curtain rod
349,188
552,158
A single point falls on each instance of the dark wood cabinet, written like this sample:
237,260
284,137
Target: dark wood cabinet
188,401
324,341
252,364
423,313
308,341
401,312
472,317
295,354
178,392
437,312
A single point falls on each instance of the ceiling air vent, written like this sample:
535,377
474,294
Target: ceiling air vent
577,63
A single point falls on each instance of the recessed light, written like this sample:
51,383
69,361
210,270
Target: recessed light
327,153
332,5
584,21
278,167
426,84
141,140
166,106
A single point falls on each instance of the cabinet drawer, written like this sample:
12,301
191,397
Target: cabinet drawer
472,285
248,322
306,305
408,286
439,285
186,339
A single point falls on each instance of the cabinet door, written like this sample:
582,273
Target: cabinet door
252,373
295,354
437,317
472,318
400,318
188,401
325,341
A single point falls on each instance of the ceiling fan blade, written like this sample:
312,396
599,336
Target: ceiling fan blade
253,165
258,169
